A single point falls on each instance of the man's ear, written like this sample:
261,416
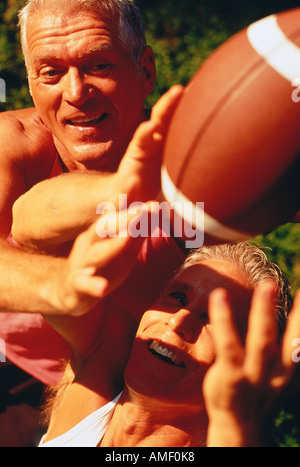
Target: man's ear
148,68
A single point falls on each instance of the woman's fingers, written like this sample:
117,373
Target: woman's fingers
262,336
227,342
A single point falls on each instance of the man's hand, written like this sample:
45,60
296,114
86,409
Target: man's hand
244,382
96,266
55,211
139,171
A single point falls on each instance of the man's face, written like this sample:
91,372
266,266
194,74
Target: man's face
85,86
174,348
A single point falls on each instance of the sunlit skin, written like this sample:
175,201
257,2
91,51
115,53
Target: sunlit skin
166,393
199,371
85,86
157,393
179,321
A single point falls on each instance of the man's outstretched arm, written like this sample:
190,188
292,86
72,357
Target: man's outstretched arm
51,286
55,286
29,282
55,211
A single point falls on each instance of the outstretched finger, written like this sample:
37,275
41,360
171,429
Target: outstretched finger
141,164
153,130
85,283
227,343
262,336
164,109
115,252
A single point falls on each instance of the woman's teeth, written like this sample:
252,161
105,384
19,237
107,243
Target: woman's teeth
166,353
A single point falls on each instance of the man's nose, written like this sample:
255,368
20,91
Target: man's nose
185,324
76,90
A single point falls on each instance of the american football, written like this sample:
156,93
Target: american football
234,140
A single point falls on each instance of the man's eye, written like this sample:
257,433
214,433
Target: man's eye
179,297
50,75
101,69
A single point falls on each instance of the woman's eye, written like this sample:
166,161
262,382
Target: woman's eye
100,67
179,297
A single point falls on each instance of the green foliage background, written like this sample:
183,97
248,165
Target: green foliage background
183,33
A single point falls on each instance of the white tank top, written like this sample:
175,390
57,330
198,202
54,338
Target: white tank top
88,433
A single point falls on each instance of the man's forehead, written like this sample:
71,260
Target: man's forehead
98,34
70,21
86,52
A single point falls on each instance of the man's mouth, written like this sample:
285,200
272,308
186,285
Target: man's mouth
87,121
165,354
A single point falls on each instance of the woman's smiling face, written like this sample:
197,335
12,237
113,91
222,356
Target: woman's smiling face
174,344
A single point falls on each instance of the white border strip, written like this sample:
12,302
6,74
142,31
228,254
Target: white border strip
212,227
272,44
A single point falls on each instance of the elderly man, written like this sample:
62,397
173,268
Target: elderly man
89,73
88,87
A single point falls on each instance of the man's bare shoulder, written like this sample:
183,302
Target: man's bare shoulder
24,132
27,144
